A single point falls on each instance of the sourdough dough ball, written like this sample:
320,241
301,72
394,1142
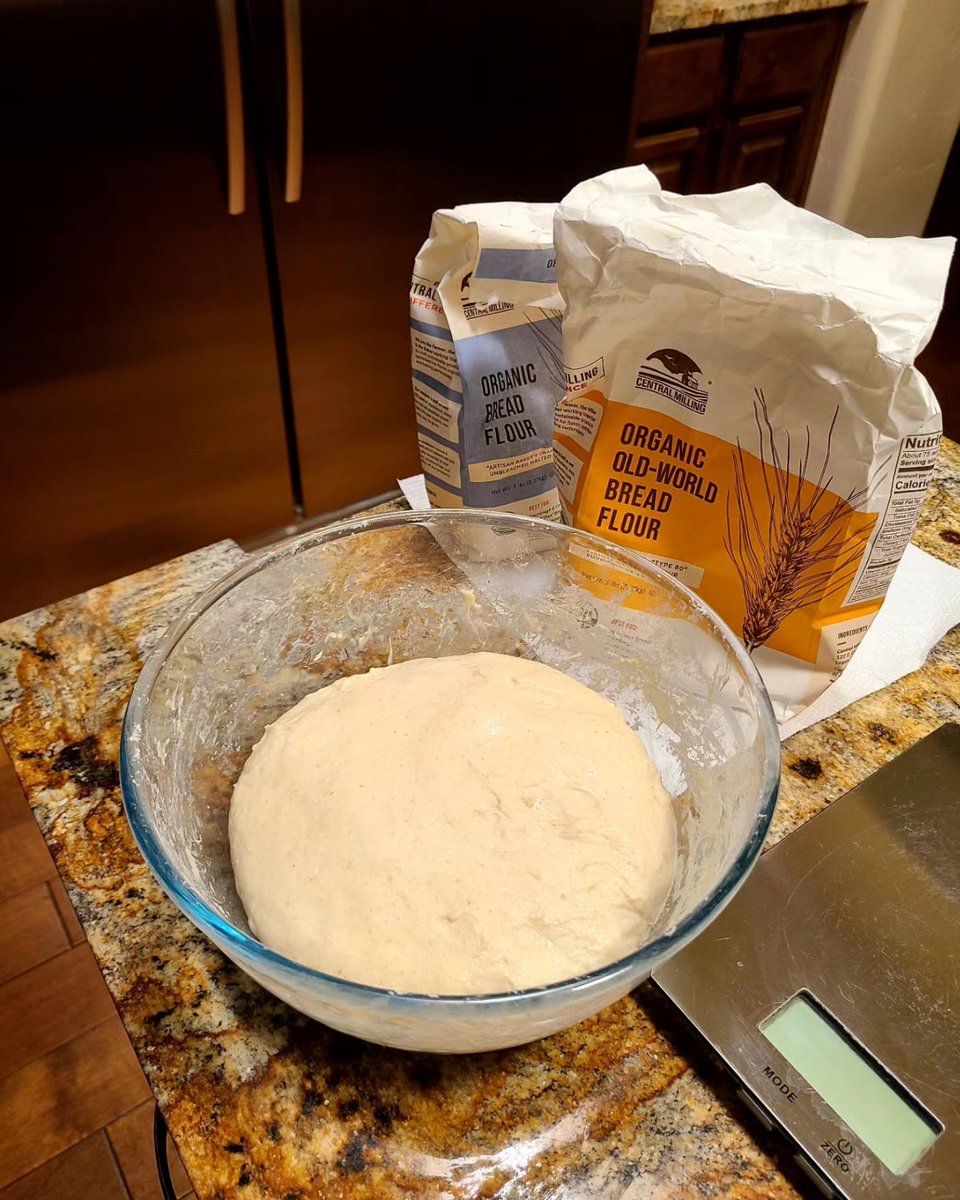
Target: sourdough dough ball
468,824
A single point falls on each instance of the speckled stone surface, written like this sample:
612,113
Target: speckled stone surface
670,15
263,1103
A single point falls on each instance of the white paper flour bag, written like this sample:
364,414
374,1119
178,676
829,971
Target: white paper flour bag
486,359
742,407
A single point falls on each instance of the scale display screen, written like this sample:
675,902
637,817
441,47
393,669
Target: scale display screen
856,1089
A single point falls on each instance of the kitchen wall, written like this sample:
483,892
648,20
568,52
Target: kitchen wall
892,118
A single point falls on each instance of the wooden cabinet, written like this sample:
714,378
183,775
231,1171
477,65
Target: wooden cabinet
740,104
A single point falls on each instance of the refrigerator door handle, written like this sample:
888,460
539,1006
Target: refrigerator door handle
233,105
293,181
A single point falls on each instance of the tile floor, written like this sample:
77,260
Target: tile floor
76,1115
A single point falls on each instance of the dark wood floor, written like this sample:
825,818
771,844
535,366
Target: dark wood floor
76,1115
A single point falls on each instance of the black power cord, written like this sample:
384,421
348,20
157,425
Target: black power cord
255,122
160,1150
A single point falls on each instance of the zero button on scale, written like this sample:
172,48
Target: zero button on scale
830,984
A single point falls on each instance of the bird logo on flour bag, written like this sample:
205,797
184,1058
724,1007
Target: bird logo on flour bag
678,381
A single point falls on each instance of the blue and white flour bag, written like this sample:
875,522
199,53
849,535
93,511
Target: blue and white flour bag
485,357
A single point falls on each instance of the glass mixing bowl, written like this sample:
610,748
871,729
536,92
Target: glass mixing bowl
386,588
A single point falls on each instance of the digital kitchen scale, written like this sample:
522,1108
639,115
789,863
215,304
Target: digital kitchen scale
830,985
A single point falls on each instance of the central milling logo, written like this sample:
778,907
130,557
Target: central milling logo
677,378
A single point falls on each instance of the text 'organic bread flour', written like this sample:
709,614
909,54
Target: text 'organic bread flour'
742,407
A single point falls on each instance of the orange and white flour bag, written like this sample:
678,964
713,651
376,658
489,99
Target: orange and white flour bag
742,407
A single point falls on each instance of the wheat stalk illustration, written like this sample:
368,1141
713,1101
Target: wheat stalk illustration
789,550
548,347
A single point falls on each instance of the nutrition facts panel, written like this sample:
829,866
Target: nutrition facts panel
911,474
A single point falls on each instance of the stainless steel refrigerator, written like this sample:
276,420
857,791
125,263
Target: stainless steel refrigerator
208,219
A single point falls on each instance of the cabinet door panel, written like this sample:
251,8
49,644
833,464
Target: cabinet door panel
763,149
677,158
677,79
787,60
138,384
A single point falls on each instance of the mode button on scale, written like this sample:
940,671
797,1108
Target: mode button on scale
829,984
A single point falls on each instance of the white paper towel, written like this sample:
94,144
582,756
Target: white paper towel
414,490
922,604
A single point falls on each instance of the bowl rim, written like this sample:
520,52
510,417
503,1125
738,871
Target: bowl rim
248,947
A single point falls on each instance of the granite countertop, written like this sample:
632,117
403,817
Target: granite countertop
264,1103
671,15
